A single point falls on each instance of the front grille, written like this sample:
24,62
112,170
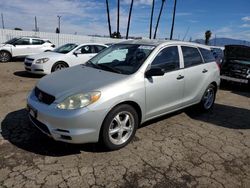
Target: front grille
40,125
27,64
44,97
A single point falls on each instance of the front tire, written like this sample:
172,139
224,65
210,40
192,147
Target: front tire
207,101
5,56
119,127
59,66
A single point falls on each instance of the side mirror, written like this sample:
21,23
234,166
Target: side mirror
75,53
154,72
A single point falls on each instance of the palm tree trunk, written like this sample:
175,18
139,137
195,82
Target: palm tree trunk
129,17
151,19
118,16
173,21
159,16
107,4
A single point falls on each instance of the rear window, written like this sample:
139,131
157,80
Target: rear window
37,41
207,55
191,56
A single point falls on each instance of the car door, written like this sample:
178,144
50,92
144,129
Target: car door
36,46
164,93
83,54
195,73
21,47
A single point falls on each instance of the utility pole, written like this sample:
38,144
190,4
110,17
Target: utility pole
129,17
118,16
107,4
172,28
59,24
2,20
36,29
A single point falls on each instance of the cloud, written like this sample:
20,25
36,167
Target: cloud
245,26
76,15
246,18
183,13
138,2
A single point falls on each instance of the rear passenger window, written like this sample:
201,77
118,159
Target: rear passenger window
191,56
99,48
167,59
37,42
207,55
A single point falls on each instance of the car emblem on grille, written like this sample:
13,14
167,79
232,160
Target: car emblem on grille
40,96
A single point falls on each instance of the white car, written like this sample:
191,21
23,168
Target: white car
23,46
62,57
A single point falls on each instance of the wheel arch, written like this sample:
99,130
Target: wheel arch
60,61
215,85
134,104
4,50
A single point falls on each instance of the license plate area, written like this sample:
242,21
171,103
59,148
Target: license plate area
32,111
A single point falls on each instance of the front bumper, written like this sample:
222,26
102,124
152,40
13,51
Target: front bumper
72,126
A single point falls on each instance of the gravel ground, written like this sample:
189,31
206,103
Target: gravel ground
183,149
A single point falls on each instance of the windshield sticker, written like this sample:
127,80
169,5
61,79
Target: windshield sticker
143,47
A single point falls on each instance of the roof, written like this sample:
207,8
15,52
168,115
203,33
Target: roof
162,42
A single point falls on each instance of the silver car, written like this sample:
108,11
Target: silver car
106,99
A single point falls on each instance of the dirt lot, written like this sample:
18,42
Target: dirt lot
179,150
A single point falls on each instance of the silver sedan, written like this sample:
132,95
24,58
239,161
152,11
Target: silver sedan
106,99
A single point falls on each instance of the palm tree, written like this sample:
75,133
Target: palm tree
173,21
208,35
107,4
118,17
159,16
151,19
129,17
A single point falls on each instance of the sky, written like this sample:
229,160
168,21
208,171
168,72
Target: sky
224,18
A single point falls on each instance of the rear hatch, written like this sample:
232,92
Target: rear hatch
236,61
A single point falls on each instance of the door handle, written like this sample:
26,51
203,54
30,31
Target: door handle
180,77
204,71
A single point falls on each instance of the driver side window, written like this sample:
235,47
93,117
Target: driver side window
167,59
86,50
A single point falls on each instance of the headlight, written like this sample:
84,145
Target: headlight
79,100
42,60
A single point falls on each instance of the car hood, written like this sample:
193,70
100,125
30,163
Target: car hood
237,52
46,55
77,79
5,45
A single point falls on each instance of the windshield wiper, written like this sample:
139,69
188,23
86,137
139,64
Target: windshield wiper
106,67
89,63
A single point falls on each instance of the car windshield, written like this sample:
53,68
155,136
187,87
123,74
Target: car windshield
121,58
66,48
11,41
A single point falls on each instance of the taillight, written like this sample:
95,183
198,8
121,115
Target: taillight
218,65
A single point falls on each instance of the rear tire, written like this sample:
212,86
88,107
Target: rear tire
208,98
59,66
5,56
119,127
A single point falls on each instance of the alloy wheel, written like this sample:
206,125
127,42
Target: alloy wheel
121,128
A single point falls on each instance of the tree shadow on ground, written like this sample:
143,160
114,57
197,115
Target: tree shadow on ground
25,74
17,129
